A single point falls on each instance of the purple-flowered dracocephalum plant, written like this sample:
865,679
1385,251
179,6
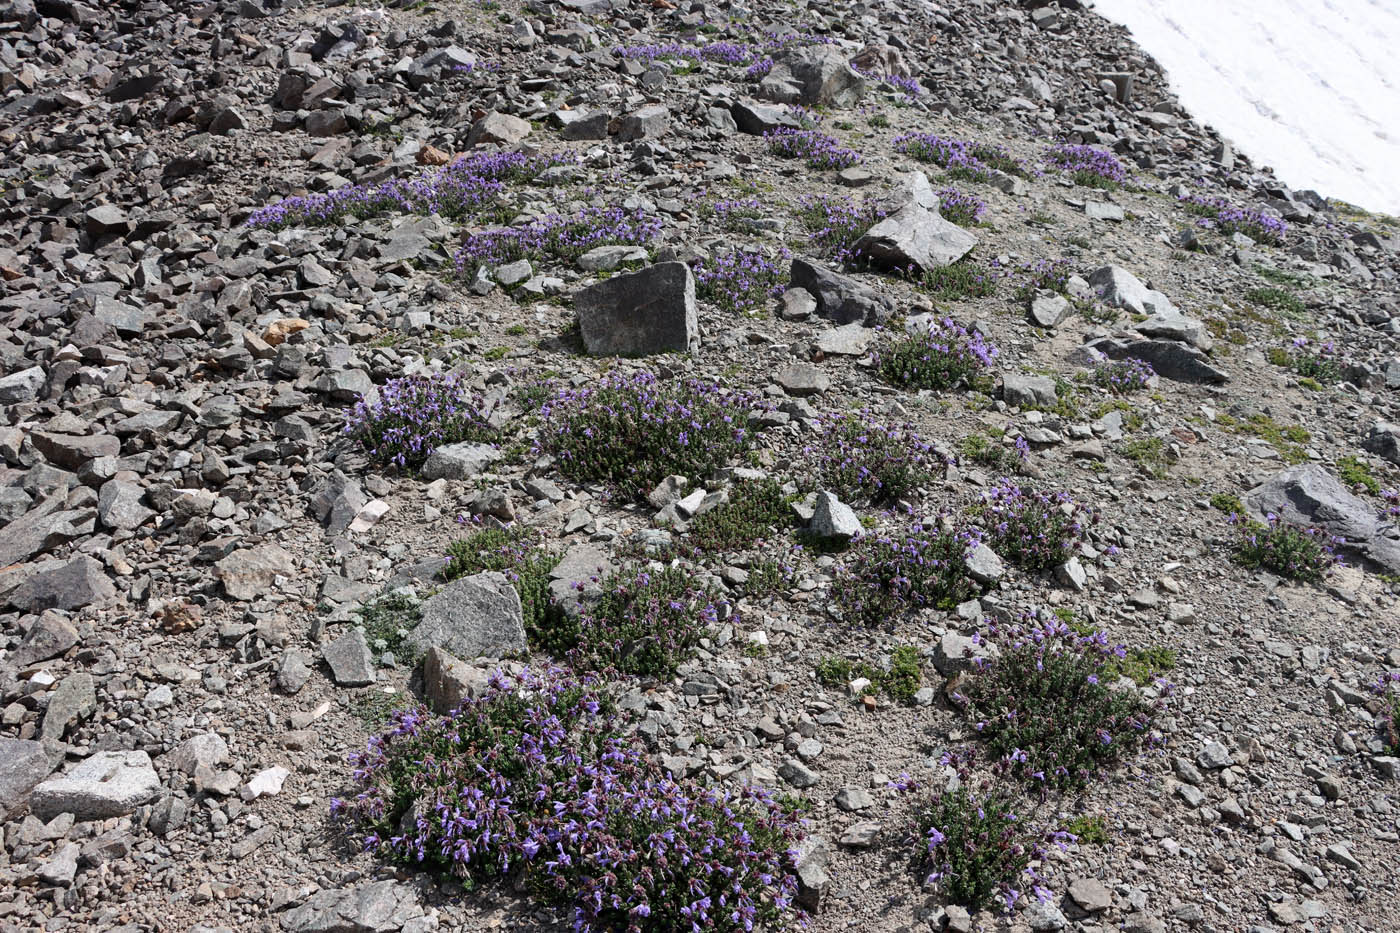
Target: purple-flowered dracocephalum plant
1321,363
960,208
960,158
458,190
1306,554
1033,529
1086,165
742,280
1122,377
556,236
414,415
1228,218
818,149
537,783
835,223
633,430
887,575
858,456
1041,275
1045,702
943,355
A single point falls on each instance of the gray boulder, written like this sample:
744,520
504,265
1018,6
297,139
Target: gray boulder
251,572
1383,439
459,461
647,123
756,119
23,764
474,617
22,386
70,584
350,660
833,519
1169,359
1307,495
840,298
915,236
377,907
644,312
105,785
447,681
813,76
50,636
498,128
1119,288
1026,390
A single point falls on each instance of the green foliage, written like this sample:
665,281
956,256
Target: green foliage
964,279
1144,665
1089,830
388,619
1276,299
884,577
1227,502
645,623
755,511
988,452
1149,453
1355,472
900,682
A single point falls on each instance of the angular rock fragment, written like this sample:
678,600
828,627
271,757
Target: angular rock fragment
640,313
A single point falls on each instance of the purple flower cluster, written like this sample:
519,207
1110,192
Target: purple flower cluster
962,209
742,280
632,431
1042,704
1228,218
944,355
1392,502
960,158
733,214
1033,529
1322,364
458,190
1122,377
1306,554
759,69
414,415
886,576
1086,165
535,783
909,88
818,149
859,456
555,235
1042,275
728,53
835,223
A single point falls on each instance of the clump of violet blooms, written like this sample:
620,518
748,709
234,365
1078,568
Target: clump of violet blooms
834,224
1044,699
1123,377
885,576
942,355
555,236
960,208
1033,529
1086,165
536,784
819,150
455,191
742,280
412,416
1050,275
632,431
860,457
1304,554
1228,218
1321,364
960,158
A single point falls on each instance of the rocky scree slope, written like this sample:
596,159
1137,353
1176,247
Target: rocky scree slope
195,554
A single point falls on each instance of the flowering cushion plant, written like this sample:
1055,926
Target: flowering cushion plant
414,415
536,782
